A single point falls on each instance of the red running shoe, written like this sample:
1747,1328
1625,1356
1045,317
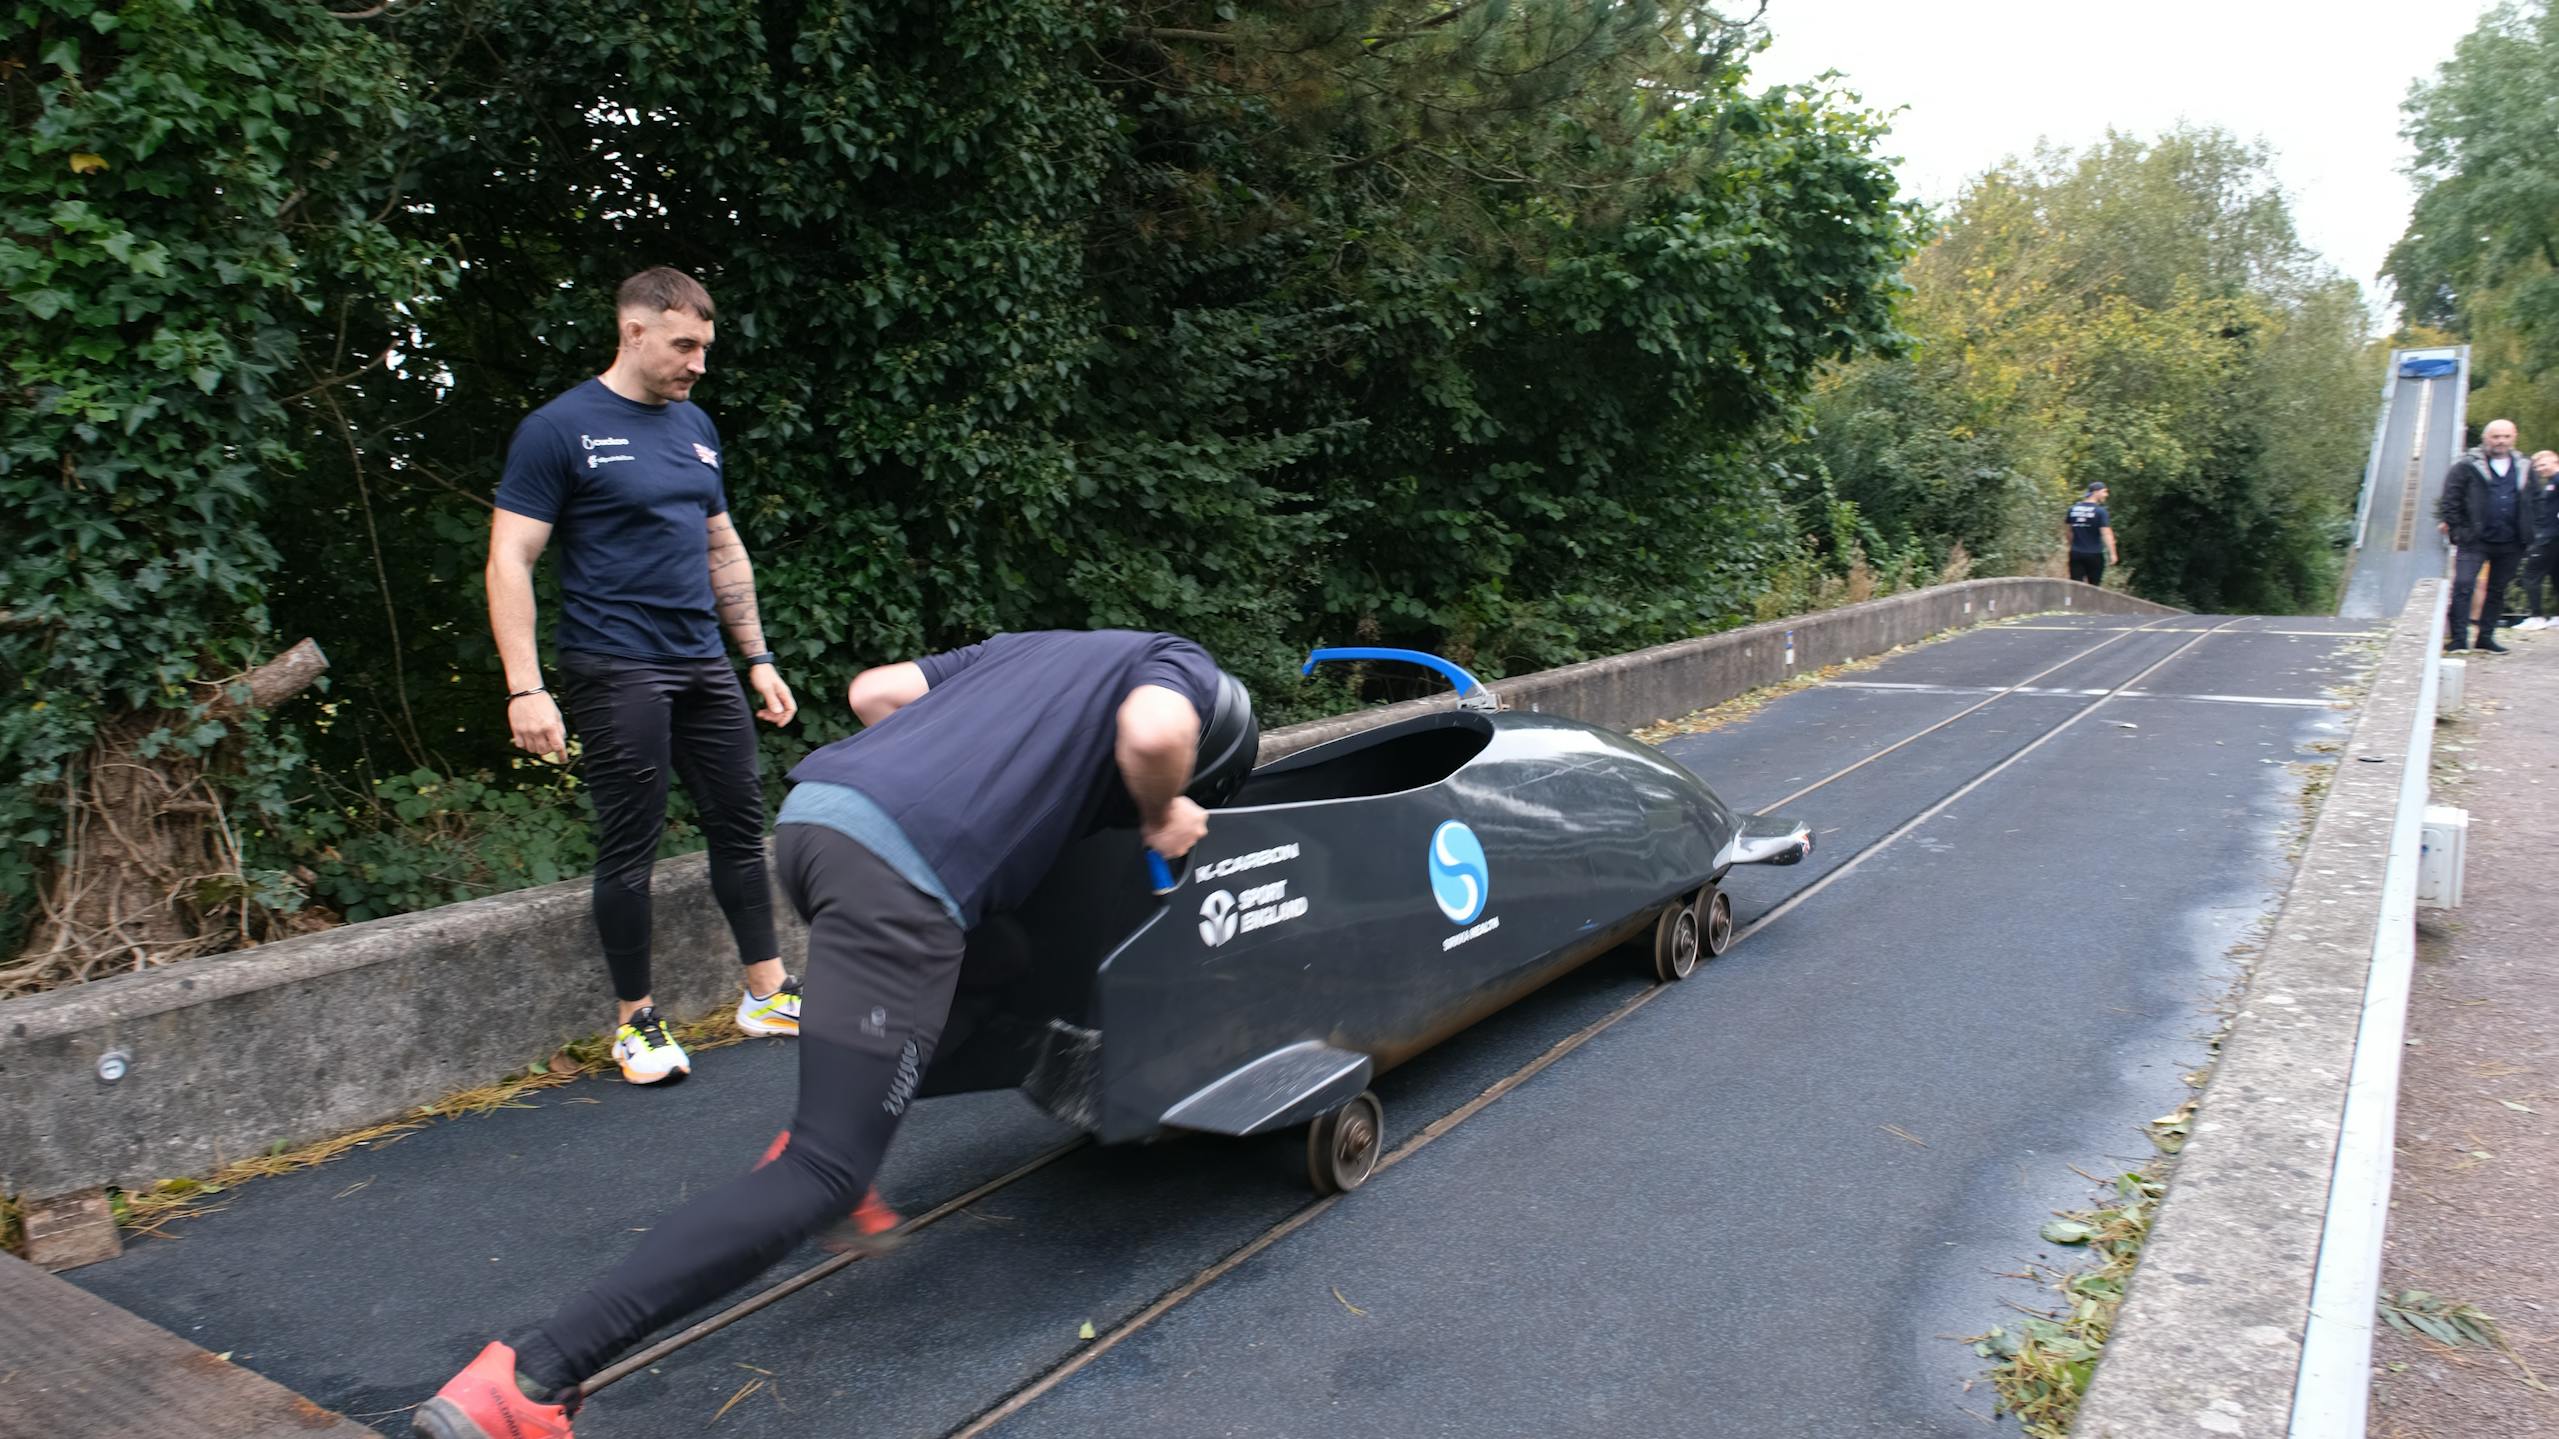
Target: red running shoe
485,1401
871,1229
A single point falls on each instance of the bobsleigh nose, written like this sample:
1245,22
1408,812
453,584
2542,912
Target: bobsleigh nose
1772,839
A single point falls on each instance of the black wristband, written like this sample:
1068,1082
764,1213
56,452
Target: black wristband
514,695
763,659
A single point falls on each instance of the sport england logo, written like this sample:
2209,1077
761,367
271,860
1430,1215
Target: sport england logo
1460,881
1224,915
706,454
1217,918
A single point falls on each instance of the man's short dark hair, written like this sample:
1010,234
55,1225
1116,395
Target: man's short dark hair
663,287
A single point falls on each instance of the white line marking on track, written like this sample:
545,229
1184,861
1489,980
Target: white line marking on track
2080,693
2121,629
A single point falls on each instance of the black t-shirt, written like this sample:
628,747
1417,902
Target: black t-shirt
629,490
2086,519
1011,753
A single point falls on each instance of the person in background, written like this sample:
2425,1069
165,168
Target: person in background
2541,561
623,472
2092,536
2484,513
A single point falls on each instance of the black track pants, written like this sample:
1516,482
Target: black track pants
883,960
636,720
2540,565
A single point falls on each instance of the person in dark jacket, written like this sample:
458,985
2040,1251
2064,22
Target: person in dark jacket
2541,562
2486,511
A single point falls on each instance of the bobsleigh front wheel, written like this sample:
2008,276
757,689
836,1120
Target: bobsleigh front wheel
1342,1146
1676,941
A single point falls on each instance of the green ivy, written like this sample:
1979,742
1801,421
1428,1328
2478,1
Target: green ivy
188,191
1275,325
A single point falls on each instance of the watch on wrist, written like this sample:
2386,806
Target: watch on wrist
763,659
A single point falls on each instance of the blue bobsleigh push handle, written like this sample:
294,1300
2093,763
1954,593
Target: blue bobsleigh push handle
1466,684
1159,875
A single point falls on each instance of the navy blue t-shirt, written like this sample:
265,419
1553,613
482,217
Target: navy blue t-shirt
2086,519
1011,753
629,490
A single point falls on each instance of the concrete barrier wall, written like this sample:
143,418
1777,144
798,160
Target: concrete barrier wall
314,1036
2210,1339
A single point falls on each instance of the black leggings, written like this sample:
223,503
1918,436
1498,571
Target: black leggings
883,960
636,719
2540,565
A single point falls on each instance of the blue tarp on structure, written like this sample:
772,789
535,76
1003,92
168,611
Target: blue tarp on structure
2427,369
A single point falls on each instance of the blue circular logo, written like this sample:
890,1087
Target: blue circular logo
1459,879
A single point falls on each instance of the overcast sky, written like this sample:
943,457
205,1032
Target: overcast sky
1980,80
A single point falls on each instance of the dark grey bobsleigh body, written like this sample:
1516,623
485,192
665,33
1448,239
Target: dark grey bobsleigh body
1357,902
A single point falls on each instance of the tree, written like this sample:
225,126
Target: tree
193,197
2139,313
1462,324
2482,244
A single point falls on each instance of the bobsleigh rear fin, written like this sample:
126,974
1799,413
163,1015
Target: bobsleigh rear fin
1284,1087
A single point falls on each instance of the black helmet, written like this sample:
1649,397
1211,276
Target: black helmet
1230,738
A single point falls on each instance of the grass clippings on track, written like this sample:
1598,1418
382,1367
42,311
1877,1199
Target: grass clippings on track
2041,1364
146,1211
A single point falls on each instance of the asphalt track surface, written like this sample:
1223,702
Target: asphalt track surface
2399,545
1759,1203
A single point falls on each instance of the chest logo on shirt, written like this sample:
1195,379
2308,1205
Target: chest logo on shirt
604,442
706,454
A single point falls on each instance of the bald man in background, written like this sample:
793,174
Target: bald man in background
2486,511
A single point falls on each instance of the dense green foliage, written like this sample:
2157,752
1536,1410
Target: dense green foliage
191,201
2481,254
2140,314
1463,326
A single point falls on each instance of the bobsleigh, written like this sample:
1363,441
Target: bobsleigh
1354,904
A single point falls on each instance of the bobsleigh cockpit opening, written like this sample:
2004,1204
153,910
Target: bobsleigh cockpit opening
1382,761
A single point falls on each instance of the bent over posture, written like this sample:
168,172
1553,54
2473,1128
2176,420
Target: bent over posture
974,772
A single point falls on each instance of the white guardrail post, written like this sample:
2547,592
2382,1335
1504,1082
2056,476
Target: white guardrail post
2334,1390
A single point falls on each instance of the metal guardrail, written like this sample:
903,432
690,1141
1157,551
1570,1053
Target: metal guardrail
2335,1388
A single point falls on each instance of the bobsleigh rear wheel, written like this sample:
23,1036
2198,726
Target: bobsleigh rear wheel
1715,921
1342,1146
1677,942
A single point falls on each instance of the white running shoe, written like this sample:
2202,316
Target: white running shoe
2535,623
775,1013
647,1052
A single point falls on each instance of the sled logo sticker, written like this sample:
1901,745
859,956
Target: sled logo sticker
1217,918
1460,881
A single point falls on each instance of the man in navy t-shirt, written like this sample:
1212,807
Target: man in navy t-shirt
974,771
2092,536
622,476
